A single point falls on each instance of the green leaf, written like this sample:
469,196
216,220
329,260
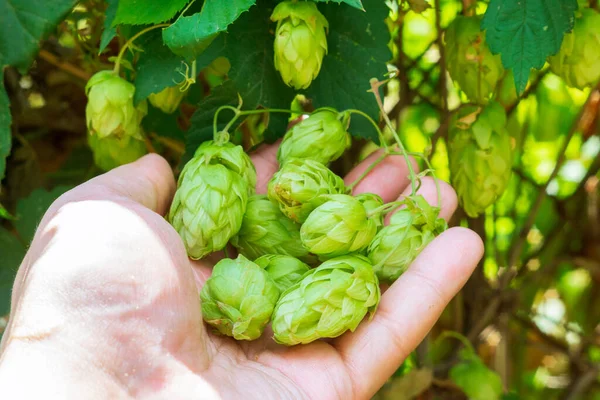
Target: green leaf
109,31
5,121
24,24
140,12
353,3
13,253
526,32
190,36
4,213
358,51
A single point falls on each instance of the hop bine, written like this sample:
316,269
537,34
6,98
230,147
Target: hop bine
284,270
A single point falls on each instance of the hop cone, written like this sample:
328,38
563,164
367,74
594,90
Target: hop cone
470,62
298,185
480,156
372,202
337,227
265,230
110,109
328,301
238,299
284,270
397,245
578,60
321,137
300,42
112,151
211,197
168,99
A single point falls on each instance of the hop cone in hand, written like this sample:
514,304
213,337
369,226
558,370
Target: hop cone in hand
471,64
211,197
238,298
328,301
284,270
337,227
168,99
578,60
110,109
111,151
298,186
265,230
321,137
300,42
397,245
480,156
372,202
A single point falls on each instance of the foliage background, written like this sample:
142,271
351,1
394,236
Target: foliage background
532,308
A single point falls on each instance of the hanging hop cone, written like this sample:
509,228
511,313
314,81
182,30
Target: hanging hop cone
578,60
372,202
111,151
238,298
298,186
471,64
265,230
211,197
328,301
284,270
168,99
480,156
397,245
321,137
337,227
300,42
110,110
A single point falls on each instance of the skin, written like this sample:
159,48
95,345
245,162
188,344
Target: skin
105,303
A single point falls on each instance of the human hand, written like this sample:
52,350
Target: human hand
106,305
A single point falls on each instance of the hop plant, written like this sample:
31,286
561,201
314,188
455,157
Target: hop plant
328,301
265,230
337,227
578,60
110,110
300,42
480,156
168,99
372,202
297,187
211,197
238,299
111,151
397,245
470,61
284,270
321,137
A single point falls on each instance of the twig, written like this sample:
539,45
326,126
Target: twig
64,65
581,384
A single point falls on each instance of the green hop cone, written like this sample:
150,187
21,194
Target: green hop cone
284,270
168,99
300,42
265,230
238,298
321,137
110,109
480,156
112,151
397,245
372,202
298,186
578,60
471,64
337,227
211,197
328,301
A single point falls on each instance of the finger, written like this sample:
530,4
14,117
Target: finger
388,179
409,309
265,161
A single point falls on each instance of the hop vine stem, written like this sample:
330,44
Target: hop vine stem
130,42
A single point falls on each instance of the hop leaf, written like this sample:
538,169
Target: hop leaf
337,227
300,42
265,230
397,245
284,270
168,99
321,137
112,151
480,156
238,299
298,185
476,380
328,301
110,109
578,60
372,202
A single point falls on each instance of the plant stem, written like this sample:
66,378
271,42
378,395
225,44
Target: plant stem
365,115
238,113
367,171
130,41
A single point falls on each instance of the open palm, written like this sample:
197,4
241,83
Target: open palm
105,304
